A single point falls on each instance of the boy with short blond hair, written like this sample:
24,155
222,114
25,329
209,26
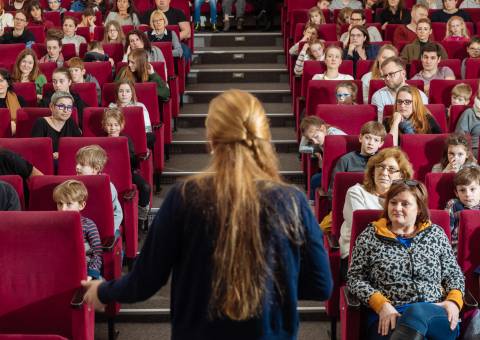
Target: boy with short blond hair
72,195
91,160
461,94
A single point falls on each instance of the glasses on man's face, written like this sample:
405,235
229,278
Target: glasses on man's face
391,74
64,108
390,169
343,95
404,102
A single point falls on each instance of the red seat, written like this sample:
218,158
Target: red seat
348,118
98,33
26,117
440,189
424,151
377,84
323,92
87,92
48,298
101,70
114,50
127,28
295,17
441,90
118,168
5,126
390,31
37,151
64,3
472,68
47,69
454,64
474,14
455,49
437,110
468,255
17,183
84,32
31,337
455,113
38,33
27,91
9,53
328,32
54,17
363,67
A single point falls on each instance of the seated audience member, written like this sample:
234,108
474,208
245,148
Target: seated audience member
373,5
20,34
309,33
449,10
461,95
467,191
340,4
79,74
69,33
72,195
227,14
408,32
346,93
314,131
359,47
432,4
26,70
312,50
394,12
406,235
323,4
393,71
469,122
54,45
333,60
91,160
343,18
430,58
159,32
413,50
137,39
8,98
473,51
9,200
212,23
372,136
12,163
35,16
97,53
381,171
60,123
96,5
61,80
113,33
316,17
470,4
55,6
358,18
410,115
6,19
385,52
140,70
113,123
456,154
88,20
16,5
124,12
456,30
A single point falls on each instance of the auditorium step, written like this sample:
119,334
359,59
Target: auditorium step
244,39
238,73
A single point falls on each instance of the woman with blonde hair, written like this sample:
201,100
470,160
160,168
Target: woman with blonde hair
26,70
410,115
113,33
233,237
159,33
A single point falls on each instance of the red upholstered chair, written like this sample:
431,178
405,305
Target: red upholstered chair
98,33
440,189
440,90
474,14
38,33
377,84
114,50
438,111
68,51
472,68
455,49
468,255
54,17
455,113
127,28
118,168
9,53
86,91
102,70
37,151
295,17
17,183
27,91
323,92
348,118
27,116
84,32
454,64
424,151
363,67
390,31
5,126
48,299
99,209
328,32
47,69
31,337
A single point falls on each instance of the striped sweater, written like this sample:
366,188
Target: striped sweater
93,247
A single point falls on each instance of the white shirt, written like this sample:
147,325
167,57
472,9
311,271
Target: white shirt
384,97
341,76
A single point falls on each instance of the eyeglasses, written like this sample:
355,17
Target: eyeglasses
410,182
390,169
404,101
477,50
343,95
64,108
20,19
53,1
391,74
157,21
355,19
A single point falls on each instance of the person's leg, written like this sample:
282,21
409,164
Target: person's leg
196,12
315,183
227,12
240,7
213,14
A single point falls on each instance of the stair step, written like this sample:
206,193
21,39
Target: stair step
239,54
220,73
208,39
201,109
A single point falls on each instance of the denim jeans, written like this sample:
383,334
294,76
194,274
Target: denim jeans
213,11
426,318
315,183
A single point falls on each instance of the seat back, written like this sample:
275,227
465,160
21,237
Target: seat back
472,68
114,50
166,48
437,110
54,17
26,117
312,67
453,64
348,118
87,92
17,183
328,32
455,49
47,69
323,92
455,113
377,84
101,70
423,150
363,67
5,126
38,151
441,90
51,247
468,255
38,33
27,91
440,189
9,53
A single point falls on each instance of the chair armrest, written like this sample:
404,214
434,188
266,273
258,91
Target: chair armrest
77,299
298,76
469,300
352,300
172,77
322,193
157,126
332,241
109,243
301,99
144,155
129,195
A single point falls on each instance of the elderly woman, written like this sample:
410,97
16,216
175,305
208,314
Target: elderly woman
403,267
159,33
410,115
387,166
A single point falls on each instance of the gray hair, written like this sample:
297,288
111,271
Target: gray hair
59,95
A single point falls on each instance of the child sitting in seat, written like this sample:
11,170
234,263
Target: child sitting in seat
113,123
461,94
312,50
55,6
467,190
456,30
469,122
346,93
473,51
456,154
79,74
97,53
309,33
91,160
72,195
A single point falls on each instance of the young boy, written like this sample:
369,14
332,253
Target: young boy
79,74
72,195
467,190
55,6
91,160
473,50
469,122
372,137
97,53
461,94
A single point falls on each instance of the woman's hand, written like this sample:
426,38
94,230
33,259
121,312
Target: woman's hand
55,155
361,52
387,319
397,118
351,48
452,312
91,294
150,69
384,26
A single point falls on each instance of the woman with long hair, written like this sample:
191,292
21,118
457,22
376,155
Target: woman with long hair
36,17
137,39
410,115
235,236
26,70
359,47
113,33
124,12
